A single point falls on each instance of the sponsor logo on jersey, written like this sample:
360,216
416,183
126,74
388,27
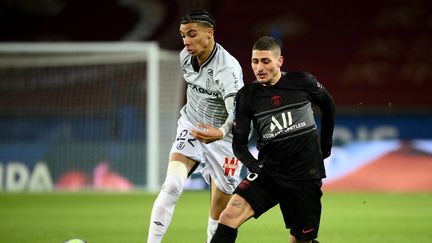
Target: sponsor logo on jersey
204,91
282,123
285,124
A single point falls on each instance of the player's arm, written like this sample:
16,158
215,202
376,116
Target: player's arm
327,107
227,126
241,129
207,133
322,98
230,81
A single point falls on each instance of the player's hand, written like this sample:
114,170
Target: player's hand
265,166
326,150
206,133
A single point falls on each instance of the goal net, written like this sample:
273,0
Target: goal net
87,115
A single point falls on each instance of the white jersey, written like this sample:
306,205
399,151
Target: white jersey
209,85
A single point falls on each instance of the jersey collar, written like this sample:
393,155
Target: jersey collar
194,60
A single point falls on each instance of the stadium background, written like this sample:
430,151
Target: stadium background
374,57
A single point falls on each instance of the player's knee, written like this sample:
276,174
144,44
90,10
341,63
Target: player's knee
237,212
173,185
225,217
175,179
230,216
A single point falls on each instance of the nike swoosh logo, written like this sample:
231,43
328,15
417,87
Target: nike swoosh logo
305,231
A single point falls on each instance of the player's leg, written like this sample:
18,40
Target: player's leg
163,208
301,209
251,198
293,240
236,213
218,202
221,170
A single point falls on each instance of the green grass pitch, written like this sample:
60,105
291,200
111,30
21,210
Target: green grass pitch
124,218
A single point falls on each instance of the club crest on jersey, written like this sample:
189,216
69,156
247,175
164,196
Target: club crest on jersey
276,100
209,78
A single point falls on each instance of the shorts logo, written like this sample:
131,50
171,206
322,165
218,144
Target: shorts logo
158,223
244,184
232,181
180,145
230,165
306,231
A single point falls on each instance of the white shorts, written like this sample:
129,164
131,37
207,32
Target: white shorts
217,160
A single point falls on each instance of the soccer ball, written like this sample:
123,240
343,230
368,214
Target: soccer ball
75,241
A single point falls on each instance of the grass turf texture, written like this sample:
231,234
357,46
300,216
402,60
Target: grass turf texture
104,217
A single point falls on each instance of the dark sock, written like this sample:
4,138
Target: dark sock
224,234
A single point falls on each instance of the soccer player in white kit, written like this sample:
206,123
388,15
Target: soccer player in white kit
204,136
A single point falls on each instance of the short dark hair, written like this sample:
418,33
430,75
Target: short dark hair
199,16
267,43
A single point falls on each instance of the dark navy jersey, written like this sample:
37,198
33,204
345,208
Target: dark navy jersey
284,123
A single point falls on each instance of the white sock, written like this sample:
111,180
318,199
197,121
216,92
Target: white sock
163,207
211,228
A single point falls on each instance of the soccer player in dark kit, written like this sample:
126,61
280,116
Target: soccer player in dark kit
290,164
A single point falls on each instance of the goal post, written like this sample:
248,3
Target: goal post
74,90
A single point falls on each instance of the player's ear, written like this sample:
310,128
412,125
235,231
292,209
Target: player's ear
280,61
210,32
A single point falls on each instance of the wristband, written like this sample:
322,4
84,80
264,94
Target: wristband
223,132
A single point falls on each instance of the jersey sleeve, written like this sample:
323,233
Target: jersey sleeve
322,98
242,116
230,80
227,126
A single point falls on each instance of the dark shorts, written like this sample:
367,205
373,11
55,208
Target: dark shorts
299,202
